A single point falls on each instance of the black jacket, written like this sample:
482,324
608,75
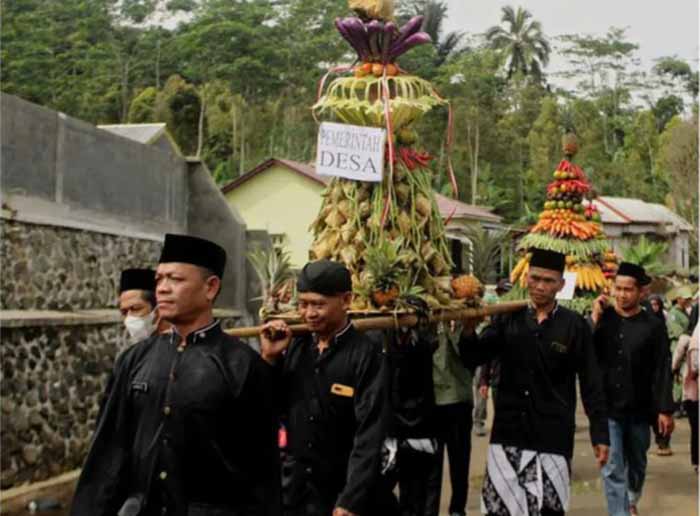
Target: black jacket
412,394
536,403
190,428
635,358
337,410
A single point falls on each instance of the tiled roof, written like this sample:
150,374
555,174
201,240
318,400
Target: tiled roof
458,209
621,210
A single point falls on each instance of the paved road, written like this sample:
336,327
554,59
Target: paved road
671,488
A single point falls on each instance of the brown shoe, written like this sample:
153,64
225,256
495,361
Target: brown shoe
664,452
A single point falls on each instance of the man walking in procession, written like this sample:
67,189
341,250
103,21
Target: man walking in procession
137,304
188,427
333,392
635,358
541,349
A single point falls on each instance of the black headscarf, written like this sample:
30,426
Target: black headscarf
660,313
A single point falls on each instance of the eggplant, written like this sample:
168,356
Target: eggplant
356,30
348,37
398,48
387,38
374,28
409,28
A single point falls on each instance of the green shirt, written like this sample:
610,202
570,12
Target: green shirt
452,381
677,324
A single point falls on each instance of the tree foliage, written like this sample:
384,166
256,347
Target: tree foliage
234,80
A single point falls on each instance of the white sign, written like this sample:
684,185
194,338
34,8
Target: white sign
567,293
350,151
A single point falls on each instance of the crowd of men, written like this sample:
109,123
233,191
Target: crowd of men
195,422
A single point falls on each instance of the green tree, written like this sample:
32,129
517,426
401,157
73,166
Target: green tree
471,82
142,108
648,254
604,71
544,140
522,41
678,159
178,105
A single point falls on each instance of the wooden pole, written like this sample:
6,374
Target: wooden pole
388,322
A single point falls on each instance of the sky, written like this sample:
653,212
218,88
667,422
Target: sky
659,27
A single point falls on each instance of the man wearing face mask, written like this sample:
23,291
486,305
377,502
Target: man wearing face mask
137,304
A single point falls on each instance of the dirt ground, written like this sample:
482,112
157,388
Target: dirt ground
671,487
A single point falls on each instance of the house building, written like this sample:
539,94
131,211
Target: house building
626,220
262,197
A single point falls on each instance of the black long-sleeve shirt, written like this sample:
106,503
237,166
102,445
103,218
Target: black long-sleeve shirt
337,412
536,403
188,429
635,358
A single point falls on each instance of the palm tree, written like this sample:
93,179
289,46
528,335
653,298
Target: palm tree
648,254
523,42
483,253
434,13
434,16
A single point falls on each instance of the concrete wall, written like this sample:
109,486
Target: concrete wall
210,217
280,202
80,204
59,170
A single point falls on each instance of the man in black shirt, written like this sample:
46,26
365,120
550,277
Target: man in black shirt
542,348
188,427
333,392
633,350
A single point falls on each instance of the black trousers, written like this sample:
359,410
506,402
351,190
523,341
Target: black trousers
418,475
691,408
456,430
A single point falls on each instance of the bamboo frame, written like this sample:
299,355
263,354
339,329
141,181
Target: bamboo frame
399,320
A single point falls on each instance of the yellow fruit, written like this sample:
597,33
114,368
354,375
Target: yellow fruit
467,287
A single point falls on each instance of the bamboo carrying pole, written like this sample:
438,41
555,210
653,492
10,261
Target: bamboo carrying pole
388,322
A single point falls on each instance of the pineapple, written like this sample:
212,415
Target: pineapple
382,262
569,144
467,286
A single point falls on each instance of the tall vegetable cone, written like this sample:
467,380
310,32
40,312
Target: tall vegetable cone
389,234
569,224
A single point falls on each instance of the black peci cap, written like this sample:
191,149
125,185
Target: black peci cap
548,260
634,271
194,250
137,279
324,277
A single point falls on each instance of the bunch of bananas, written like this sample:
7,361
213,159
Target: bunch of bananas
589,276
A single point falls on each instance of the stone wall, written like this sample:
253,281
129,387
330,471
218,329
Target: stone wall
79,205
55,268
51,383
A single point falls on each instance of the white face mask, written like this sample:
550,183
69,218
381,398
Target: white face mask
140,328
